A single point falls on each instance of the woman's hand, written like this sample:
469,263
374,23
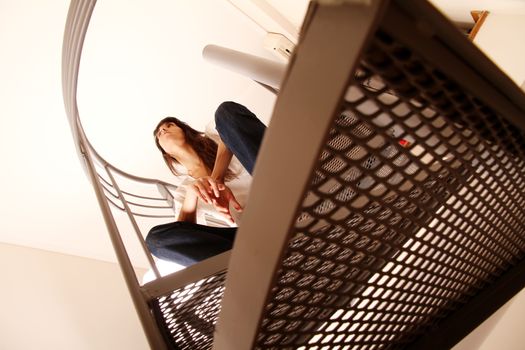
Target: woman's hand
222,202
217,194
206,187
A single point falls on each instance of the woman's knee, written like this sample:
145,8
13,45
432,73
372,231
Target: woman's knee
152,241
226,113
157,236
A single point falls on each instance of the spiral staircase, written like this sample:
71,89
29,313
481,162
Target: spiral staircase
387,207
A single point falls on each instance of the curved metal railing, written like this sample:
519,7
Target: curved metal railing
126,209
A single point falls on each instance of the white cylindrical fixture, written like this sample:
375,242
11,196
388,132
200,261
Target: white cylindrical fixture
260,69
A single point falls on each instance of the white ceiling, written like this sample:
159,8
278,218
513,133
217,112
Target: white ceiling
142,61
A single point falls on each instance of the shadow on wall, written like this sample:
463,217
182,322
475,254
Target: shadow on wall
477,338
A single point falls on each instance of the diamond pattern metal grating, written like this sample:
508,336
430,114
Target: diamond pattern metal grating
416,203
188,315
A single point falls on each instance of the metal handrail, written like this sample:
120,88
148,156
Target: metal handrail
77,23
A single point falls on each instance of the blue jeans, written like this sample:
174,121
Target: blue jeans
241,131
186,243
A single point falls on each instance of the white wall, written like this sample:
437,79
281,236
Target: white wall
501,38
459,10
502,330
62,302
508,332
46,199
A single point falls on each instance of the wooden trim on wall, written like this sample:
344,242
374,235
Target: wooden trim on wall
479,18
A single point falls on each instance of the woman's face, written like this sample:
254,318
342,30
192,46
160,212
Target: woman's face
170,137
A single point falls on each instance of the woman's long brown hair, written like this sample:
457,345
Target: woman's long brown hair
205,147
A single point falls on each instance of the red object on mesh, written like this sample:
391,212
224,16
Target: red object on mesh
404,143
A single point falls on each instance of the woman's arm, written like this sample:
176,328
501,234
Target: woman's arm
188,212
212,189
222,161
214,183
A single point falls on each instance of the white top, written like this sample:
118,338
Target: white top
240,186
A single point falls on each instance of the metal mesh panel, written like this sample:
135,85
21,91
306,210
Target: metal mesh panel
189,314
416,203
